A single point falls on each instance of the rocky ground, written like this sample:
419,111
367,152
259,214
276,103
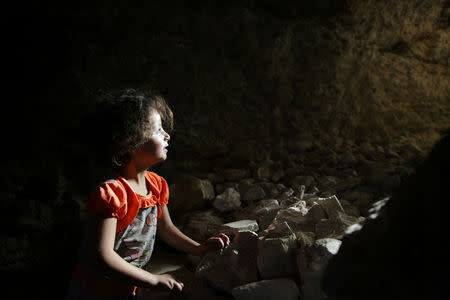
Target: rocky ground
286,220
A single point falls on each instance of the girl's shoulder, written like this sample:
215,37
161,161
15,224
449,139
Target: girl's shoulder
112,184
153,177
158,186
109,199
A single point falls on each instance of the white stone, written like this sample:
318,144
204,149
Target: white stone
296,218
234,227
331,245
277,230
267,205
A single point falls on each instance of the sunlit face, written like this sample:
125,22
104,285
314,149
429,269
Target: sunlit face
155,149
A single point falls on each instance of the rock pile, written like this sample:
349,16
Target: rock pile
282,235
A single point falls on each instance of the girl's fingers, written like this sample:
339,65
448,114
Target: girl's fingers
225,239
178,286
216,242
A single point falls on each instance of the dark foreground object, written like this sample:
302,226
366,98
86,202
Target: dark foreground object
404,252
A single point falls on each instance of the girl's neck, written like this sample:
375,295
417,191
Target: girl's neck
133,175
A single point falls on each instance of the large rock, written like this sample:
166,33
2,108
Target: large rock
190,193
227,201
330,205
312,262
276,255
263,212
232,267
201,225
335,226
297,219
274,289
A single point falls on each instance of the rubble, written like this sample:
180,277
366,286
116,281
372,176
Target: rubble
280,234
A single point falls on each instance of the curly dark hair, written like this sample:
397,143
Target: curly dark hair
122,116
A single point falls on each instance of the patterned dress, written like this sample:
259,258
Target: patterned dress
137,217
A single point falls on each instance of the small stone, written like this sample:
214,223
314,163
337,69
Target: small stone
244,185
263,172
277,175
267,204
331,245
254,193
316,213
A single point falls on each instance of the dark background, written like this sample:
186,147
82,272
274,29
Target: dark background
247,80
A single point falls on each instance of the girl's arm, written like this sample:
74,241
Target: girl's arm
101,255
175,238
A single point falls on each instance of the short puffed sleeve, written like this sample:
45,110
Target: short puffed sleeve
108,200
159,188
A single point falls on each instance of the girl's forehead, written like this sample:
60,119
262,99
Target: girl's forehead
154,116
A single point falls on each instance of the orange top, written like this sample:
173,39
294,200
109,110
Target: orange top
115,198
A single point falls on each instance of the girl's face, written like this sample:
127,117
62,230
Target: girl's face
155,149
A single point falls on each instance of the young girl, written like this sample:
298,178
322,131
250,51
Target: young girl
125,211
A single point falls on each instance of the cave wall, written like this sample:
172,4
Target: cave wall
371,76
248,81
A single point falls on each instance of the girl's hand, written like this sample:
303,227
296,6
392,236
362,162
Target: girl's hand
166,281
213,244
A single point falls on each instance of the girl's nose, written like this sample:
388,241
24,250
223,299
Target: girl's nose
167,136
